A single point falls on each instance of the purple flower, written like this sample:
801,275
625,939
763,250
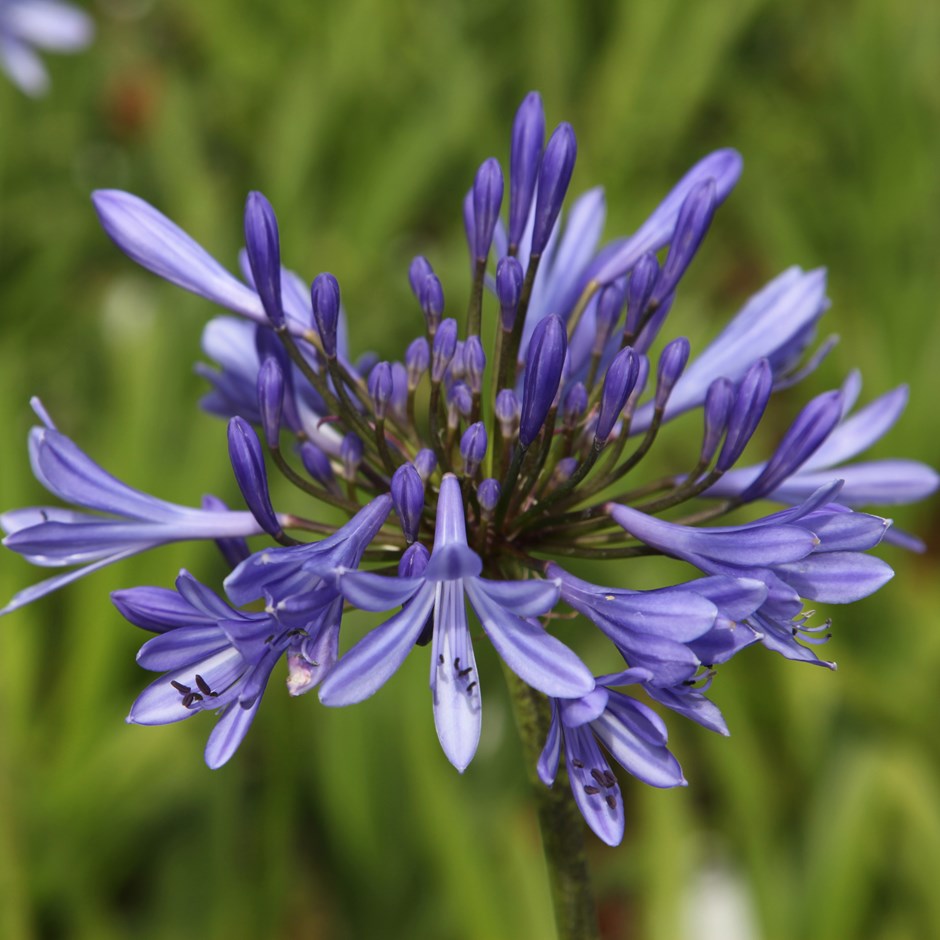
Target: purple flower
28,25
453,573
132,521
632,733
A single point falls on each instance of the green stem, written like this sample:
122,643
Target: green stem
559,821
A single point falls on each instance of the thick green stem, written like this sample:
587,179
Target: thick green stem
559,820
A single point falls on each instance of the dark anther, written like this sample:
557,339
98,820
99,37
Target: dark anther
688,681
611,800
470,686
182,689
795,631
440,658
457,662
190,699
590,790
609,779
598,775
203,686
269,638
576,763
463,673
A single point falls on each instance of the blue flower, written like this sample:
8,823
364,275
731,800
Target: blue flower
501,607
28,25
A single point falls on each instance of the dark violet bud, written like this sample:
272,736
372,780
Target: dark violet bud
399,387
672,361
554,176
432,301
271,400
244,450
425,463
445,344
473,447
576,401
640,290
460,400
408,497
509,278
545,360
264,255
380,388
474,363
803,438
269,346
528,134
718,401
508,410
609,306
350,454
488,493
694,218
618,383
418,271
417,360
324,295
458,366
487,198
748,408
414,561
317,464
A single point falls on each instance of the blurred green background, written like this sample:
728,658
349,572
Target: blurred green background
363,122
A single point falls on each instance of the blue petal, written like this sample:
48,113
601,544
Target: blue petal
734,597
229,732
157,609
638,742
47,24
376,592
582,755
525,598
837,577
693,705
547,766
455,686
373,660
579,711
159,245
845,530
179,648
535,656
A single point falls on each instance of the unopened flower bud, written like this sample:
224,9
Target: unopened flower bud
488,493
408,496
445,344
380,388
508,410
509,277
350,454
618,384
487,198
474,360
425,463
528,134
671,364
264,255
316,463
417,360
324,295
473,447
554,176
244,450
271,400
545,360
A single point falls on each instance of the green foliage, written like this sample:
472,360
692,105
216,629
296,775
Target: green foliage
363,122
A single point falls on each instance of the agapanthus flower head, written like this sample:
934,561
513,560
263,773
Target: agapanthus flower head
502,464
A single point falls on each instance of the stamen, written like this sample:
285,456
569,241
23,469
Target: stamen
182,689
591,790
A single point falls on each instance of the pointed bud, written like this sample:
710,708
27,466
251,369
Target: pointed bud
509,278
474,359
264,255
610,303
458,366
268,345
508,410
380,388
748,408
618,384
417,360
432,301
418,271
413,564
350,454
640,290
445,344
324,295
317,464
425,463
576,401
545,360
528,134
408,497
812,426
460,401
271,400
244,451
473,447
718,401
487,198
671,365
554,176
488,493
695,216
399,398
